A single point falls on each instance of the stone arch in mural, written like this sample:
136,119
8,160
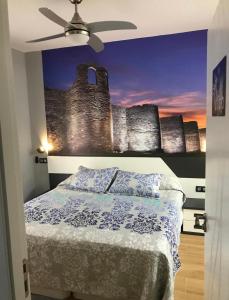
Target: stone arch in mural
91,75
88,111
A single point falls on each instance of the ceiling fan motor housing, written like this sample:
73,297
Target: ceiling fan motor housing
75,1
78,28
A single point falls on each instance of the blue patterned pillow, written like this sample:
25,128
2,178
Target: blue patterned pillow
93,180
68,182
135,184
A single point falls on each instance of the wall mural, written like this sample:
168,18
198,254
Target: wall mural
138,97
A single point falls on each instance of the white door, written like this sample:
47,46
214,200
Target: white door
217,175
12,198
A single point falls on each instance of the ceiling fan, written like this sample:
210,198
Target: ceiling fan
80,32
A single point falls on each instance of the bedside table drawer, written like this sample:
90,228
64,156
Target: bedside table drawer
188,214
188,226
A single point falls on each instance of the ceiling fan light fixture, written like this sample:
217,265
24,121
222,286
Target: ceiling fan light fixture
77,36
80,33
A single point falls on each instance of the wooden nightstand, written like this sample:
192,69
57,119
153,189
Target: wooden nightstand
192,206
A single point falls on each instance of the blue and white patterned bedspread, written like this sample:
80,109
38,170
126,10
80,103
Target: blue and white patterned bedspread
77,239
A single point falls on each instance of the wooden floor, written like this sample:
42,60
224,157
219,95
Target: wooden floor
189,284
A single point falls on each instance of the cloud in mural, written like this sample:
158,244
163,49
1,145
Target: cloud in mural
192,105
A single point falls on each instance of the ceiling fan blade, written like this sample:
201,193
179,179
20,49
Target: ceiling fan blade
48,13
110,25
51,37
95,43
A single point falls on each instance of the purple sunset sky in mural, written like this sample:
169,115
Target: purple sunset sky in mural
169,71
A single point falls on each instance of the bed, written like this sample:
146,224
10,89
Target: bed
103,245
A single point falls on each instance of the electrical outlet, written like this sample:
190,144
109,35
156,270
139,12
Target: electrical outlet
200,189
41,160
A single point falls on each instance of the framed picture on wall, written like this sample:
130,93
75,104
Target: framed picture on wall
219,88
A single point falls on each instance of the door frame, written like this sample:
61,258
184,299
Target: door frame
6,281
12,221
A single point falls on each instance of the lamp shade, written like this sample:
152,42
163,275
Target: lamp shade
78,38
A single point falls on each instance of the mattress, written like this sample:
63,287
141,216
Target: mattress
105,246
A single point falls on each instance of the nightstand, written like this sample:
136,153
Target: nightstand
192,206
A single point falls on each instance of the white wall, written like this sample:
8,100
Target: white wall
189,186
24,125
31,122
217,174
37,115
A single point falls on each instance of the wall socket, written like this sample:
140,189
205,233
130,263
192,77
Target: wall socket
200,189
41,160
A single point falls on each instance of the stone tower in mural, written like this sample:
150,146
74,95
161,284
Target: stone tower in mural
88,111
143,128
172,134
192,137
136,128
202,133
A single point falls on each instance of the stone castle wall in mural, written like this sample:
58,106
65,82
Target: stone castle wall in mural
82,121
120,135
143,128
192,136
56,118
172,134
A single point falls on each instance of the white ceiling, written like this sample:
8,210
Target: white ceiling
152,17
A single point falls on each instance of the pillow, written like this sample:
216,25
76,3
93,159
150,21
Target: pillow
91,180
170,183
68,182
135,184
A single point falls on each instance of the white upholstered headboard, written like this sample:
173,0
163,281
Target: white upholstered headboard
60,166
70,164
